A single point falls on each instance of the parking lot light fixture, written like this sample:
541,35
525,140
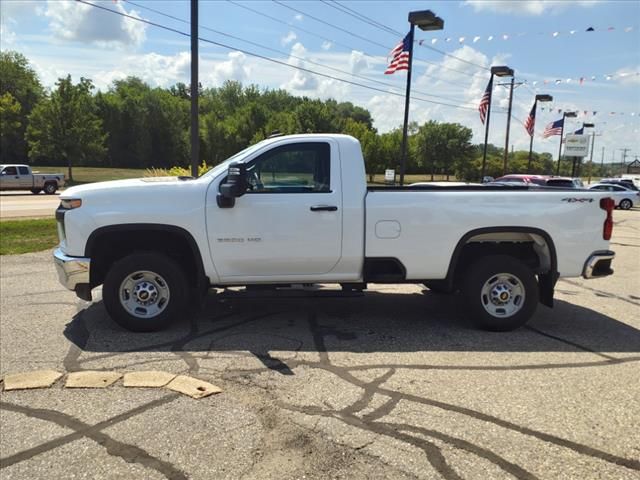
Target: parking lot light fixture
564,116
425,20
543,97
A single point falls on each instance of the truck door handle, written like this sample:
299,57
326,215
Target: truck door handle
324,208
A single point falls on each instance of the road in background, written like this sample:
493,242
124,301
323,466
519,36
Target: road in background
27,205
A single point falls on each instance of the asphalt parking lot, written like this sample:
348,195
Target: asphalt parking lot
391,384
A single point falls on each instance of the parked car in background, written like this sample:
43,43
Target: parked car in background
522,178
623,182
20,177
565,182
624,198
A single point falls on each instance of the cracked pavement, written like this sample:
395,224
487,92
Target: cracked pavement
394,383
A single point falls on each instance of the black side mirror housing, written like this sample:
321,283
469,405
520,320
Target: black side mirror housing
235,185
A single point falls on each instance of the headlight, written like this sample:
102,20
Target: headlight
71,203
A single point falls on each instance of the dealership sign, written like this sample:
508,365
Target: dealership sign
576,145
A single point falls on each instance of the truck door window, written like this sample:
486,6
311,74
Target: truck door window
295,168
10,171
23,170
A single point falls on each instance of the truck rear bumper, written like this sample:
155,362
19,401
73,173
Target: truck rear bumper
598,264
73,273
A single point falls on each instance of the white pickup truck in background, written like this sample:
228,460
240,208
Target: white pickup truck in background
20,177
296,209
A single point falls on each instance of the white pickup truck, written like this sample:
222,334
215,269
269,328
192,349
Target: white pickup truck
296,209
20,177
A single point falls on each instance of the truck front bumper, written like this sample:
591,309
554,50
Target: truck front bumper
598,264
73,273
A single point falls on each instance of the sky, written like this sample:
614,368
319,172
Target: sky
546,42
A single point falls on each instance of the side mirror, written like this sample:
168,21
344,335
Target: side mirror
235,185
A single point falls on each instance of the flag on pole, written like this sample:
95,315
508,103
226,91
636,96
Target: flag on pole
399,56
554,128
485,101
580,131
530,122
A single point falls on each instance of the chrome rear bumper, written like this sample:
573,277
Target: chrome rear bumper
72,271
598,264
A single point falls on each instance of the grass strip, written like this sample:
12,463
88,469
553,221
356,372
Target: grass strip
24,236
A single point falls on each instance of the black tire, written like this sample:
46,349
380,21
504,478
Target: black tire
625,204
482,272
50,188
35,191
168,274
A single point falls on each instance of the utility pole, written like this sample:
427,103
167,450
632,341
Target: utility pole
195,128
602,163
624,158
511,85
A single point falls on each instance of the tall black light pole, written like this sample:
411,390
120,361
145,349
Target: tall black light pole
593,137
425,20
501,71
539,98
195,129
564,116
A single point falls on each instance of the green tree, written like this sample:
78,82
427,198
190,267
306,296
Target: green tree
20,82
444,148
65,126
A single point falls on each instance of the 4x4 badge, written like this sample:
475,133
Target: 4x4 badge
580,200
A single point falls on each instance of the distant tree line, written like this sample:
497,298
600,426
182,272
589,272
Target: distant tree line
134,125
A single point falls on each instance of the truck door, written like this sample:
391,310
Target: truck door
9,178
289,223
26,179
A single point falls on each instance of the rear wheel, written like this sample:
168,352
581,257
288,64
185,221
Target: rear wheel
50,188
145,292
625,204
501,293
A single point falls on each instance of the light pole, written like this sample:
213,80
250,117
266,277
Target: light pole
499,71
425,20
506,140
564,115
532,115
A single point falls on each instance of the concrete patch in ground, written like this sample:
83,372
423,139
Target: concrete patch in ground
26,380
150,379
193,387
91,379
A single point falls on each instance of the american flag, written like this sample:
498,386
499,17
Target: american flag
485,101
580,131
554,128
530,122
399,56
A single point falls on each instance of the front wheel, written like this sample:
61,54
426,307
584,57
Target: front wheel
35,191
501,293
145,292
625,204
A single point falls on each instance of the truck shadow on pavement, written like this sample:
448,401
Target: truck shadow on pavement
373,322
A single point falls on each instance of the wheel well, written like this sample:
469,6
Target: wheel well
108,245
533,247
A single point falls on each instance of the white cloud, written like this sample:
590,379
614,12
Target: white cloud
299,17
7,35
326,45
288,38
628,76
527,7
302,81
73,21
358,62
233,69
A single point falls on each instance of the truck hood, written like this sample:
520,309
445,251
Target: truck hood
134,183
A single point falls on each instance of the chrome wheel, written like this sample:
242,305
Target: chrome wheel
503,295
144,294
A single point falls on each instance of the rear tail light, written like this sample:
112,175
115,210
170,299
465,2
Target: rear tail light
607,204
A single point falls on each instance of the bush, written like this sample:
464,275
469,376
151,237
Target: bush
176,171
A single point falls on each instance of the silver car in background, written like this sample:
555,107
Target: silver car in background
624,198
